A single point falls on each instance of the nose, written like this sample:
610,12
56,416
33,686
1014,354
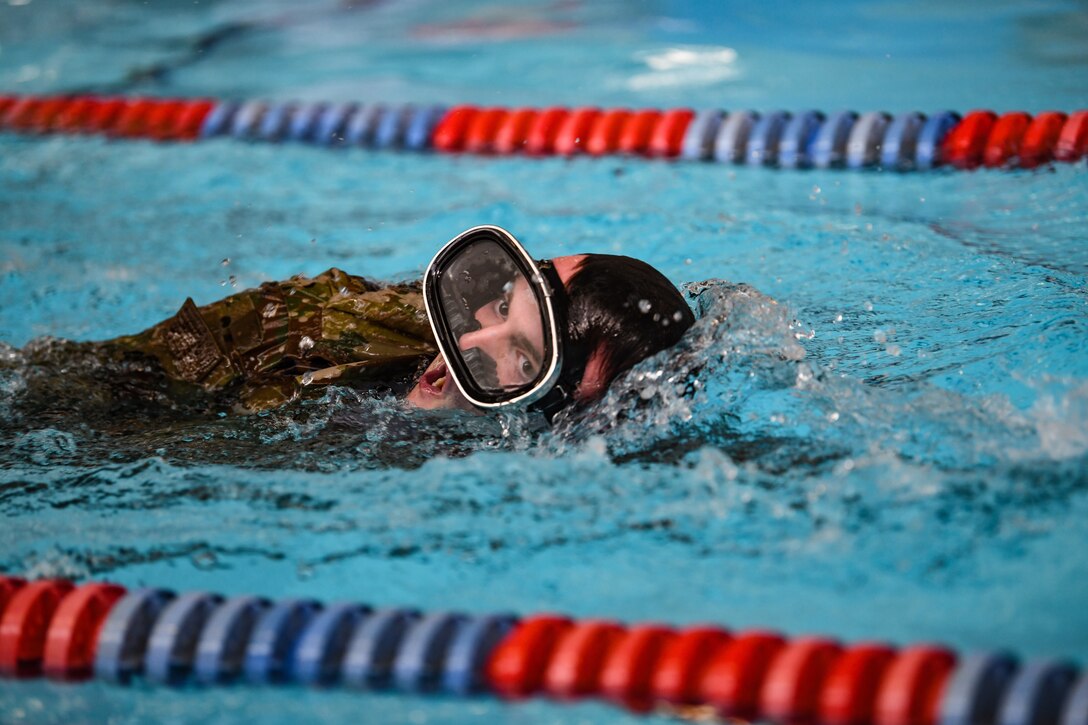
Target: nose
486,339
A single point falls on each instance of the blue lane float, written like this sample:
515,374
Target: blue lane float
464,670
274,122
829,148
936,128
372,651
1075,711
421,123
303,122
698,144
221,651
765,138
901,142
330,124
247,120
978,688
1037,694
419,664
866,137
795,148
732,139
171,646
122,640
218,120
322,644
271,648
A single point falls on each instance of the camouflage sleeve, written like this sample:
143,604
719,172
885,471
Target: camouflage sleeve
273,341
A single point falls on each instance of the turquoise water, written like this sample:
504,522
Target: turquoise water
896,449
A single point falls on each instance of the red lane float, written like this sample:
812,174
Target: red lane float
189,120
627,673
19,113
449,134
964,145
517,666
1073,140
161,118
913,685
481,131
102,117
24,623
791,692
637,132
544,130
574,131
1037,146
734,679
683,662
44,117
849,692
72,637
575,667
74,115
668,135
604,136
1003,142
513,135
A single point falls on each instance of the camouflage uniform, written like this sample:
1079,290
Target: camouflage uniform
271,342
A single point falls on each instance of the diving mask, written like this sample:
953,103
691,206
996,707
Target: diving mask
500,322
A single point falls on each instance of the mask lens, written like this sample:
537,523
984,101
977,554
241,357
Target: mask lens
495,317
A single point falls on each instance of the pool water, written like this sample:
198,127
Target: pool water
883,436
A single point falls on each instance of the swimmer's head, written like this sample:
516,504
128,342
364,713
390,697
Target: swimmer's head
616,311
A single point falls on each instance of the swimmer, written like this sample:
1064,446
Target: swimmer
488,327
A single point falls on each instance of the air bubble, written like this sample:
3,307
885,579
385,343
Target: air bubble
644,306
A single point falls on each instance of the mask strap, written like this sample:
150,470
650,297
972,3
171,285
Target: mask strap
573,355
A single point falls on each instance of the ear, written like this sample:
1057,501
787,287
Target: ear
593,382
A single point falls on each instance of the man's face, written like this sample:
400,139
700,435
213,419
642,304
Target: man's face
510,341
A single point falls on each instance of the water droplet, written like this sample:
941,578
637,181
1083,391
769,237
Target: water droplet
677,316
233,281
838,317
868,306
644,306
225,262
307,378
833,416
269,310
204,559
880,336
894,350
306,343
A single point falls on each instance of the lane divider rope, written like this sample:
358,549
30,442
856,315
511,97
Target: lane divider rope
778,139
54,628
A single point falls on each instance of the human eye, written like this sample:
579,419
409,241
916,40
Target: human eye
525,367
502,307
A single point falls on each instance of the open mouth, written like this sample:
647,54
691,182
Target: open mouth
435,380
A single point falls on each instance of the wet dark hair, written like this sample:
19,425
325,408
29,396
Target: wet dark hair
625,308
